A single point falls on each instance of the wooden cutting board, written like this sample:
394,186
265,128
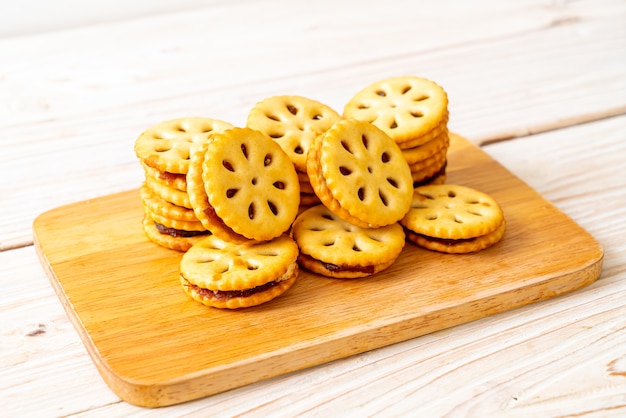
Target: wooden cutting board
154,346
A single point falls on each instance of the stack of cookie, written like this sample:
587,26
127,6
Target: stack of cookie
453,219
333,247
293,122
224,274
413,111
163,151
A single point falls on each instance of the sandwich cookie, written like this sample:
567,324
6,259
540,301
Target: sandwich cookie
222,274
332,247
453,219
360,174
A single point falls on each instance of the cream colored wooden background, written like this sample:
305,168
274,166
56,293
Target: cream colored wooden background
26,17
541,85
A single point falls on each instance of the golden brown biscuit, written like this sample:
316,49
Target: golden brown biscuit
436,160
166,146
405,108
458,246
360,174
169,194
159,206
422,152
426,174
168,237
293,122
174,180
452,212
199,199
180,226
250,183
437,131
222,274
333,247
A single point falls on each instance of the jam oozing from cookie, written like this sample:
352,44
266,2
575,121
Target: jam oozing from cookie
167,176
444,241
342,267
448,242
337,268
178,233
209,212
229,294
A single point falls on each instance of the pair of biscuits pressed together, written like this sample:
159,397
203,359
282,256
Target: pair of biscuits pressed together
300,184
453,219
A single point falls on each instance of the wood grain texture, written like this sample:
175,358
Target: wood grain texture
525,77
156,347
38,345
482,357
74,101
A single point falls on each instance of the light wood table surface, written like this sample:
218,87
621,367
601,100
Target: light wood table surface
539,85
